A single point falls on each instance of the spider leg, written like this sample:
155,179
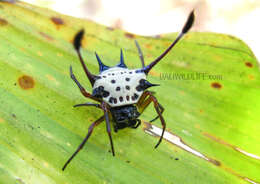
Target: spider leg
82,90
185,29
88,104
90,129
104,108
137,125
141,56
143,105
141,100
77,45
156,106
161,109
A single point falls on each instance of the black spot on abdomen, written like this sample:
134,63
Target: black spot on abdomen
134,97
105,94
111,100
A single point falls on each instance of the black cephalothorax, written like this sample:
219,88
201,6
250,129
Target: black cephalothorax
121,93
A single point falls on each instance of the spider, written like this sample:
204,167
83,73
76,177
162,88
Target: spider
121,93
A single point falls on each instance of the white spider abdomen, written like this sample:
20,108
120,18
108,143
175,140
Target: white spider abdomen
121,84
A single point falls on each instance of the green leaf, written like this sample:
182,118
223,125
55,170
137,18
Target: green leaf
215,116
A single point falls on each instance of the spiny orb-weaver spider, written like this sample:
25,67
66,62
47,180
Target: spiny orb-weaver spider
121,92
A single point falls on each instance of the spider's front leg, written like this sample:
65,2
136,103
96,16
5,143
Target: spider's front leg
81,88
144,101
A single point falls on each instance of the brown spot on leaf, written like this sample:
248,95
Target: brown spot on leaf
130,35
216,85
216,139
251,77
26,82
182,92
110,28
46,36
149,55
57,20
248,64
231,37
166,44
3,22
154,73
215,162
59,54
148,46
8,1
232,172
218,58
157,36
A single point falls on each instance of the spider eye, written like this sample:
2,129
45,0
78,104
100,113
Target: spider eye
144,84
